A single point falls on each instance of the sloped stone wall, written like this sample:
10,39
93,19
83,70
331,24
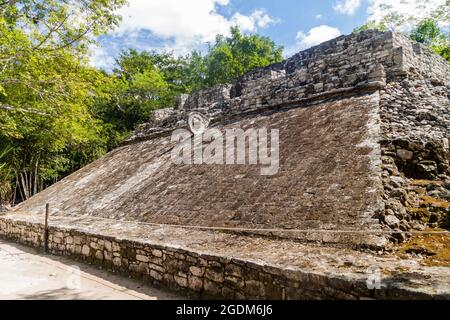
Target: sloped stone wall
328,180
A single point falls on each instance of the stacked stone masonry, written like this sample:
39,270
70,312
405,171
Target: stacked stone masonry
414,85
194,274
347,64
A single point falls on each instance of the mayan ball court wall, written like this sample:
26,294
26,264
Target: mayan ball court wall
364,126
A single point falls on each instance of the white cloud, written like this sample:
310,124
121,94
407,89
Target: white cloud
319,16
187,22
317,35
100,58
313,37
262,19
258,19
178,26
414,10
347,6
246,23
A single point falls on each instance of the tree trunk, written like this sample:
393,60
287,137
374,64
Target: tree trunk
24,182
36,177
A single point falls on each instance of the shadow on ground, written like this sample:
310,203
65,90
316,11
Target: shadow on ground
29,273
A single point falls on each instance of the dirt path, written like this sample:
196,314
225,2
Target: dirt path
26,274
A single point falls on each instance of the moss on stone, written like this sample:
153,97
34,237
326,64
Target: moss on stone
434,202
422,214
421,182
433,247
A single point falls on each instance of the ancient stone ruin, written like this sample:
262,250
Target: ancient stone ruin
364,123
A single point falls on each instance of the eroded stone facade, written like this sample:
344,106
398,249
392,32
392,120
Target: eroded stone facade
414,116
361,118
364,122
201,275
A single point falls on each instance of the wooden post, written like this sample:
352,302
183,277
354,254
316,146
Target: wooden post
46,228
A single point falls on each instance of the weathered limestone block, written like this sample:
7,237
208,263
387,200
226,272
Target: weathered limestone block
205,98
195,283
77,240
157,253
85,250
156,261
196,271
115,247
143,268
117,262
234,282
215,274
179,256
69,240
212,288
94,245
156,275
180,100
134,268
181,281
99,255
107,255
157,267
108,246
168,279
142,258
233,270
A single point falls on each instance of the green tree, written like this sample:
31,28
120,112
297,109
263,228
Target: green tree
46,85
429,33
136,87
140,83
230,57
426,32
6,175
371,25
195,74
173,70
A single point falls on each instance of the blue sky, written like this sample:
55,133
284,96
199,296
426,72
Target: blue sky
180,26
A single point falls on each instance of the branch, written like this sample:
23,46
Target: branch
50,32
11,108
4,3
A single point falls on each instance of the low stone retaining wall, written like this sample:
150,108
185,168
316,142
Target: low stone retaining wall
190,273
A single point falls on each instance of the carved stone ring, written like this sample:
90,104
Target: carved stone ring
197,122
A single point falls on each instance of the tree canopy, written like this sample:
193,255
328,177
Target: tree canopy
230,57
46,85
